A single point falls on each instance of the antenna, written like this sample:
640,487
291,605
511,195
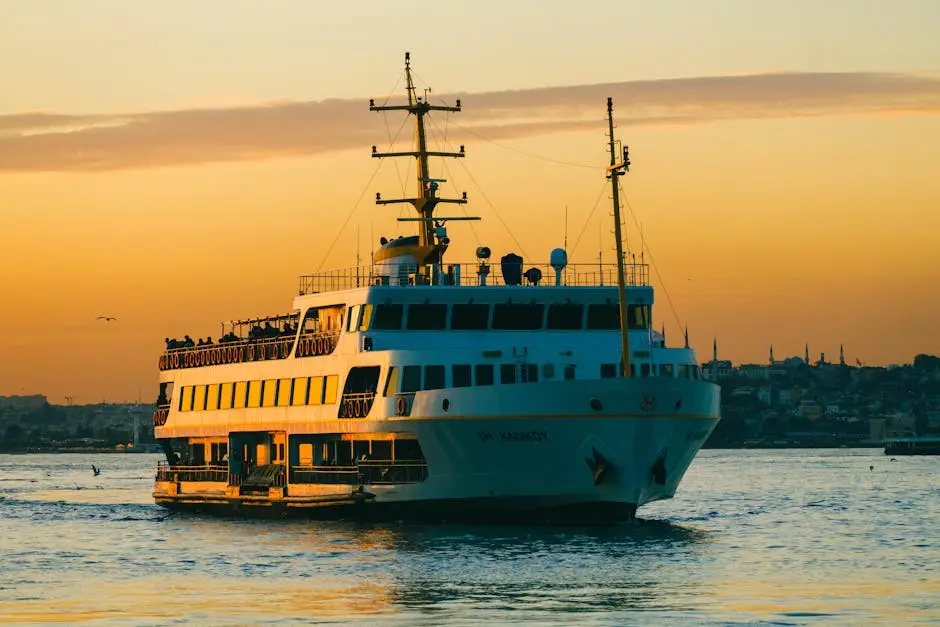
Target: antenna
616,170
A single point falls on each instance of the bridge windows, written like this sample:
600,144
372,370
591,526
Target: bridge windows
365,317
411,379
638,316
434,378
484,374
565,316
518,317
507,373
427,317
388,317
603,317
470,317
461,374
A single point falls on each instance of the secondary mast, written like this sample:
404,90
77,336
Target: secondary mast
617,170
426,200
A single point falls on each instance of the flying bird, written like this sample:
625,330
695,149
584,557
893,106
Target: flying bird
105,318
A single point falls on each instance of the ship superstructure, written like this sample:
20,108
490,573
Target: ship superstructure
417,387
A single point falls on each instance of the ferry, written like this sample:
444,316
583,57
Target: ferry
418,388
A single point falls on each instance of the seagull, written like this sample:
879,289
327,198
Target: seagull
106,318
95,470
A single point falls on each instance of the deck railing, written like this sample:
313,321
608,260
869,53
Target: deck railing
228,353
367,472
469,274
209,472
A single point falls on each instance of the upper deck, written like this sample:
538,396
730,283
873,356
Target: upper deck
471,275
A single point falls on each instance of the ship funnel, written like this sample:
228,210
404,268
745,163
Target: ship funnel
558,260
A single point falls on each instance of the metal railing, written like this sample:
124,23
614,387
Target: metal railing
367,472
228,353
356,405
471,274
316,344
210,472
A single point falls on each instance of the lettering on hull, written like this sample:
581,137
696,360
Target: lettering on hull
513,436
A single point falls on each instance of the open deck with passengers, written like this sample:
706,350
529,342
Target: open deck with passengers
417,386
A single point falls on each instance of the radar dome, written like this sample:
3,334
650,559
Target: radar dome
559,258
483,252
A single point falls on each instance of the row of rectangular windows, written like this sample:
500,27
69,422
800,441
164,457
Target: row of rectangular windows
502,316
265,393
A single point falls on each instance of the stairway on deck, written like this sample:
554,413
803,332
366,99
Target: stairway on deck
262,477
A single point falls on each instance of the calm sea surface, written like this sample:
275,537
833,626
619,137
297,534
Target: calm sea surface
753,537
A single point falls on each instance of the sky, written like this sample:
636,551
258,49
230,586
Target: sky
176,164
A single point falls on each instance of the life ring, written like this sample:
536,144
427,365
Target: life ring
285,350
402,406
186,360
176,360
347,409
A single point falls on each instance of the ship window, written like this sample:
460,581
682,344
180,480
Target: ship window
644,370
411,379
427,317
365,317
391,383
254,394
569,372
241,394
283,392
331,382
186,398
434,377
199,398
353,312
565,316
604,317
225,395
530,373
638,316
469,317
315,396
269,393
299,393
608,371
522,317
305,454
212,397
665,370
461,375
685,371
387,317
507,373
484,374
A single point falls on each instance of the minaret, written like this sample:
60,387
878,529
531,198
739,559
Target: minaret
806,358
841,355
771,354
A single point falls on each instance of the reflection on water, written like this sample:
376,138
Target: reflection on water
786,537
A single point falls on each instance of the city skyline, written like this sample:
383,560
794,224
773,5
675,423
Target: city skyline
176,165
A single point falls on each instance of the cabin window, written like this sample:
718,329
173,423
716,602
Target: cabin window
530,373
283,392
609,371
241,394
269,393
299,392
522,317
484,374
254,393
212,397
427,317
507,373
353,311
186,398
199,398
315,395
411,379
685,371
638,316
665,370
305,454
469,317
365,317
604,317
387,317
461,375
565,316
329,389
569,372
225,395
391,383
644,370
434,378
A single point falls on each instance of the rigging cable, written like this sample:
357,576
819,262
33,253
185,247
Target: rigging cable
588,220
358,200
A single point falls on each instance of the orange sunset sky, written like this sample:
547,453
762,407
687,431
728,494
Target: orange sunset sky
177,163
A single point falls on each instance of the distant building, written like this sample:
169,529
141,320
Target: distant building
717,369
23,403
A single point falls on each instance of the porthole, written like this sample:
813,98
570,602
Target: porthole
445,404
596,404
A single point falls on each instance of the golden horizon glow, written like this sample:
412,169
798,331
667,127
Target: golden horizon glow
783,208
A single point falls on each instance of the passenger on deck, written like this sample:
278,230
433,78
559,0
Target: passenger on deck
255,332
200,342
188,341
209,339
269,331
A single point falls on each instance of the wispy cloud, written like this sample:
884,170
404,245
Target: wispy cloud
61,142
